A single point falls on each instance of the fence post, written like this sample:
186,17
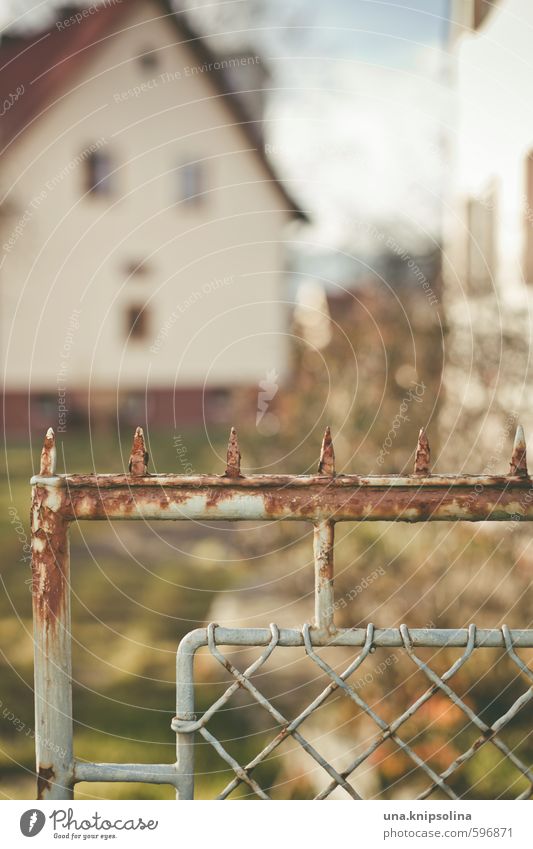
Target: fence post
52,637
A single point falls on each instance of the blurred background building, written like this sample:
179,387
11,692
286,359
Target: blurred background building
488,233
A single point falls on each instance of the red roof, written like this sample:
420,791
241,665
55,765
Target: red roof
37,68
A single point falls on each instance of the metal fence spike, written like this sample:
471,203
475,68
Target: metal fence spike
422,456
326,465
138,464
48,455
519,459
233,459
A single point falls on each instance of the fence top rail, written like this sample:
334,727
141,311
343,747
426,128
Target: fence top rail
352,637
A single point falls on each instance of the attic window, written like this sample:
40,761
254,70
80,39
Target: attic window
148,59
98,167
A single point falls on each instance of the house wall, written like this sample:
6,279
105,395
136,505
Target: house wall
493,137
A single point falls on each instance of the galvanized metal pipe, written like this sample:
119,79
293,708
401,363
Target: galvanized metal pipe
382,638
149,773
185,711
323,540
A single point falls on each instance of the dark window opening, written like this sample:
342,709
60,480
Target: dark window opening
149,59
191,182
98,168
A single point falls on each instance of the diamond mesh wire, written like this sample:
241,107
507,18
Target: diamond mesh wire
489,735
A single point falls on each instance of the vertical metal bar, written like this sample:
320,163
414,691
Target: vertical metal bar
185,711
323,553
52,637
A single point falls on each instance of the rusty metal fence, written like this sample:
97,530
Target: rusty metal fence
323,500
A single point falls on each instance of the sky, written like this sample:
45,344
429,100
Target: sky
358,110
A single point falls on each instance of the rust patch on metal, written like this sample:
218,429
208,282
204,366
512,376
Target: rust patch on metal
138,464
233,457
324,555
45,777
319,499
518,465
215,496
295,482
326,464
423,454
49,561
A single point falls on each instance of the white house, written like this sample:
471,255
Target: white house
488,245
142,228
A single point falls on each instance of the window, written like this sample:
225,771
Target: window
481,257
98,172
148,59
191,182
136,322
136,268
